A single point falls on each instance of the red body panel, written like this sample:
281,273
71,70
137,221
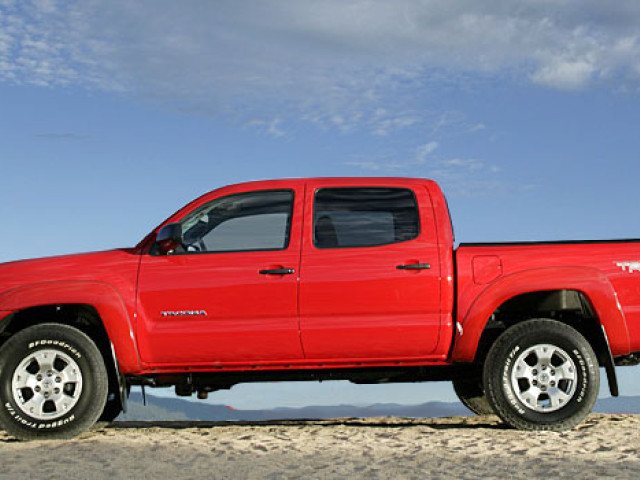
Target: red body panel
355,303
353,307
590,268
250,317
345,307
105,280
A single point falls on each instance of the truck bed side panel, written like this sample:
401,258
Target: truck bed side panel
607,270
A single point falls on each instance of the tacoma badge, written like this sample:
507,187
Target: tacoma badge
184,313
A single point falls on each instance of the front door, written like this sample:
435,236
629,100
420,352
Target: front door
370,273
229,295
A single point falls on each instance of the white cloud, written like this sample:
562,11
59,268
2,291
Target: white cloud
469,164
469,177
459,176
332,62
271,127
384,126
423,151
568,75
449,119
384,163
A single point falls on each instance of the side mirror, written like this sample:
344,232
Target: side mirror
169,238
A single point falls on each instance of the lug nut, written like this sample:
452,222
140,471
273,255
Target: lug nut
56,391
553,384
58,379
46,394
543,388
39,377
535,383
552,372
37,389
544,367
535,372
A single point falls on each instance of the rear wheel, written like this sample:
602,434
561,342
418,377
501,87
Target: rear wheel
541,375
53,383
471,394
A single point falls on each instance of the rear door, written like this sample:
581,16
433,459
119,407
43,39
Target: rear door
370,273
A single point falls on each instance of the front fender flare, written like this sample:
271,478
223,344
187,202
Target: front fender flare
102,296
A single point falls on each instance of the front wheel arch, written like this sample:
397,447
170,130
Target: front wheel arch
84,317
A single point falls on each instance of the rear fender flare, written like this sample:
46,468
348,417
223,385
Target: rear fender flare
591,282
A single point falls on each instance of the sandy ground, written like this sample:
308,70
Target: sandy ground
605,446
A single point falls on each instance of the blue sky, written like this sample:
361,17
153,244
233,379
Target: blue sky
113,114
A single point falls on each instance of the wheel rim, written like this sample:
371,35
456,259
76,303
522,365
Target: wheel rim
544,378
47,384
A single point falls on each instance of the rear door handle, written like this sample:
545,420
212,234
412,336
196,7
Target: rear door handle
414,266
277,271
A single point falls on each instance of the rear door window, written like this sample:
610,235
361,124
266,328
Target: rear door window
364,217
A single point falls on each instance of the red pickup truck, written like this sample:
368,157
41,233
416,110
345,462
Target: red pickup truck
317,279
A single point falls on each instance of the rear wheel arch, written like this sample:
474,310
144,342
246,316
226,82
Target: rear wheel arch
598,297
578,312
537,304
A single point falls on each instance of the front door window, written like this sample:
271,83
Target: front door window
254,221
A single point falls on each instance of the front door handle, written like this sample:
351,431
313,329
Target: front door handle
414,266
277,271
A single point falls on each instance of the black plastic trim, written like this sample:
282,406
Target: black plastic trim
610,366
414,266
122,381
277,271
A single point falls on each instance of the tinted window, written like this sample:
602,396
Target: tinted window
364,217
247,221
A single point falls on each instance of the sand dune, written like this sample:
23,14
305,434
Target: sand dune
475,447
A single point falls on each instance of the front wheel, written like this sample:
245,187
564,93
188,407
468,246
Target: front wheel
541,375
112,410
53,383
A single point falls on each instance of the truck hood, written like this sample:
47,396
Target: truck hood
116,267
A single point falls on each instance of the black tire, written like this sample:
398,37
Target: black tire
541,375
111,411
72,388
471,394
